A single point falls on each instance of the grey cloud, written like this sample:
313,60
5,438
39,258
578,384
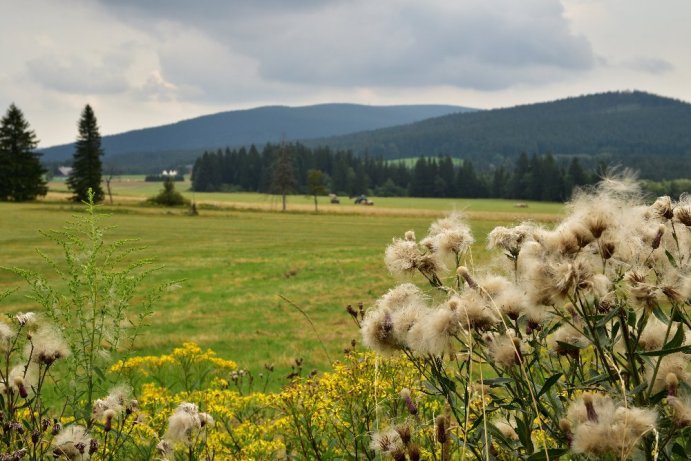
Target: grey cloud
650,65
77,75
470,44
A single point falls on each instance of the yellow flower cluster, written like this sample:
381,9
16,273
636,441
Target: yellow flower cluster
329,416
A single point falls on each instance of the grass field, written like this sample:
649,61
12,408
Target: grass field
237,261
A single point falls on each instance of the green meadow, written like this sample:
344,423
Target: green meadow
256,285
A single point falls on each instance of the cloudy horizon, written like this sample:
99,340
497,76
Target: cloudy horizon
147,63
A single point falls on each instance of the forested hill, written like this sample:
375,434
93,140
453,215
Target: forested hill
615,125
256,126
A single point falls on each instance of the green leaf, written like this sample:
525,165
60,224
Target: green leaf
552,454
677,340
100,374
568,346
660,314
678,450
497,381
670,258
523,431
597,379
551,381
683,349
606,318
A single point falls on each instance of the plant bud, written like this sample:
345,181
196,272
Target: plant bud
463,272
109,415
658,237
441,424
93,446
414,453
672,384
590,409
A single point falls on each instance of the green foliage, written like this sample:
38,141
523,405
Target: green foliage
540,177
636,129
169,196
100,307
86,164
316,184
21,173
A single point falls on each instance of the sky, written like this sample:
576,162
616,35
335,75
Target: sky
142,63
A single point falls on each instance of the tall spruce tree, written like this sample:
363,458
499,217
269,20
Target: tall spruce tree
86,163
21,173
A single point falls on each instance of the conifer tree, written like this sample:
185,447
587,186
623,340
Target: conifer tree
86,164
21,173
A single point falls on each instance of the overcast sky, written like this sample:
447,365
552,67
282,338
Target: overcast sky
143,63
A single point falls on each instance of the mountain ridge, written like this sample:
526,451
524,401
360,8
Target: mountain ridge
258,126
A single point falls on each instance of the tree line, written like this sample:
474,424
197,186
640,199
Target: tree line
22,177
539,177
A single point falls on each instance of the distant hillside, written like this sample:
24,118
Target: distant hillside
184,141
633,128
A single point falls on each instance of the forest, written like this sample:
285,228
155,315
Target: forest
538,177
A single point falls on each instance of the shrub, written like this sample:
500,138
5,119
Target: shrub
169,196
90,310
577,344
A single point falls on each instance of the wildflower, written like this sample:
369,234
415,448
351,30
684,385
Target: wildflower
681,411
597,223
672,383
386,441
675,364
109,414
607,249
506,430
511,239
404,432
535,314
165,448
185,423
405,395
402,257
628,426
506,350
473,311
410,235
511,301
682,212
663,207
23,380
441,423
653,335
414,453
70,443
6,337
453,241
377,331
400,296
48,346
433,333
118,399
465,274
642,292
567,340
601,429
26,318
655,244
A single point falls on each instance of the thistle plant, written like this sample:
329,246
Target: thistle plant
98,306
29,350
574,342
